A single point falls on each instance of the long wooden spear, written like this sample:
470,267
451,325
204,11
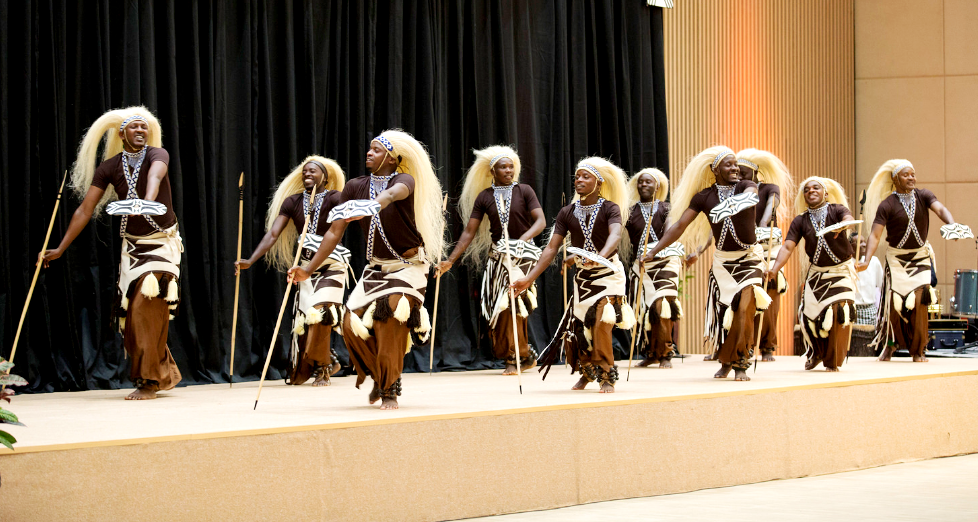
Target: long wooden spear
237,276
434,316
639,293
512,308
760,323
285,298
37,270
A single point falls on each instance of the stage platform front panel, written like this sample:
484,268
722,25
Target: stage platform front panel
468,444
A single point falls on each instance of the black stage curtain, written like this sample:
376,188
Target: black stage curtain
255,86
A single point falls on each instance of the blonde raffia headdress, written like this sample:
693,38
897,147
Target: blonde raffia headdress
279,256
107,127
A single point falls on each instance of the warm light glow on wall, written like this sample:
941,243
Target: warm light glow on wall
768,74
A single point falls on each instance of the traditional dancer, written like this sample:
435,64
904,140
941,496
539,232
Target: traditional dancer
710,179
384,313
135,165
830,286
900,210
593,220
492,190
659,309
318,307
773,186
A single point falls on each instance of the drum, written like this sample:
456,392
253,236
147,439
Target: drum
964,303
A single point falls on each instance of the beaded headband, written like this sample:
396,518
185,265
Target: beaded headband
723,154
386,143
131,119
593,170
496,158
318,164
900,166
747,163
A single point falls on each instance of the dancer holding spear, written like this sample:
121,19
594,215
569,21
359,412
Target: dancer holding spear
498,208
405,233
134,166
318,302
599,304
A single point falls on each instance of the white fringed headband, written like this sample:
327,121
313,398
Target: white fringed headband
723,154
592,169
900,166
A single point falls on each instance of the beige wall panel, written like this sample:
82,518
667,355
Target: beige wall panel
961,120
900,118
962,201
759,73
899,38
960,44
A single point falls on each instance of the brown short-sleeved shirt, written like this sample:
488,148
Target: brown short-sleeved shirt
801,227
743,221
109,172
891,214
524,200
766,191
635,226
566,222
292,209
397,219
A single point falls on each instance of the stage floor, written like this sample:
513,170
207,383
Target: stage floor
60,421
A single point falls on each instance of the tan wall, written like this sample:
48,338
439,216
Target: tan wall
769,74
917,98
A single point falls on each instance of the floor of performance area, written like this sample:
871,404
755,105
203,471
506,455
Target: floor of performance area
937,489
102,418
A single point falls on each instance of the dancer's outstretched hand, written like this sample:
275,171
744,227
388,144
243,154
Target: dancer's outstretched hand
241,264
48,255
443,267
521,285
297,273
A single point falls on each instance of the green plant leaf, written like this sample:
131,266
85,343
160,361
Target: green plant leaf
8,417
5,366
12,380
7,439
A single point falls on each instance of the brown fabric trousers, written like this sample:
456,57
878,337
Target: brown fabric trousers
769,328
912,334
660,340
602,353
738,347
313,351
380,356
832,351
144,338
502,337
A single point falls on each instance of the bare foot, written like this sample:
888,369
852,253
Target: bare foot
333,370
510,369
320,380
887,353
666,363
581,383
920,358
831,369
741,375
710,357
141,394
768,357
648,361
607,388
812,363
724,371
389,404
524,366
374,394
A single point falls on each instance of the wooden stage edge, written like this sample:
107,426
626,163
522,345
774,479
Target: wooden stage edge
467,444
